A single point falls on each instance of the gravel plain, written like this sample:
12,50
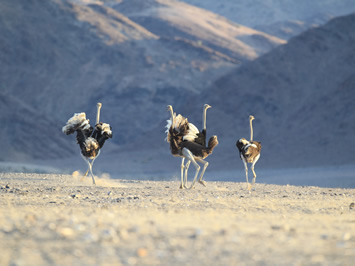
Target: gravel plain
51,219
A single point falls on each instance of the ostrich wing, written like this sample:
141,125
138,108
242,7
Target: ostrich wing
191,133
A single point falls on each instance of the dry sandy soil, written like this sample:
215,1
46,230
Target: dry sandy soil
62,220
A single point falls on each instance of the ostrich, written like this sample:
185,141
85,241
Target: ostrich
249,152
90,140
181,135
200,139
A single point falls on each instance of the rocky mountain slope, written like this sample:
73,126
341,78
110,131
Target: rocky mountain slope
170,18
302,96
27,134
272,16
60,57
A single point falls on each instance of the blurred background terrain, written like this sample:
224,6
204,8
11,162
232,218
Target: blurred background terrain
290,64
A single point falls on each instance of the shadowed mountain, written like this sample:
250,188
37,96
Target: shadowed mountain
302,96
28,135
60,57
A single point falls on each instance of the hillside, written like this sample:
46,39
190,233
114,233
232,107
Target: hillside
22,129
302,96
260,12
289,28
170,18
59,57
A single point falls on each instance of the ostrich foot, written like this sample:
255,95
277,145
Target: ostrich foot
202,182
249,187
182,186
192,187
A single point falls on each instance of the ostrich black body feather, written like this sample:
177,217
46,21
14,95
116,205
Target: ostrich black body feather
248,149
201,138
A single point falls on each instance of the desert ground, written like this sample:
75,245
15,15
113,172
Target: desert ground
52,219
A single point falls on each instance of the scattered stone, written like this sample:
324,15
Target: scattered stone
276,227
223,232
142,252
66,232
324,236
346,236
352,206
31,218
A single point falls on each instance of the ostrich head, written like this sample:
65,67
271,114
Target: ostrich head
251,118
169,108
206,106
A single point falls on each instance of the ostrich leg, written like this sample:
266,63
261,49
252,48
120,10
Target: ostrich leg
92,175
90,168
205,164
246,173
188,155
254,175
186,170
92,162
86,173
252,168
182,173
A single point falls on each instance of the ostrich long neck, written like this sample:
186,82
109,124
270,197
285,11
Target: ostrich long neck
172,116
204,115
251,130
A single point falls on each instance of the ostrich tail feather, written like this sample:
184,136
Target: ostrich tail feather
212,143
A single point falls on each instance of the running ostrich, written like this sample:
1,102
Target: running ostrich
181,135
249,152
90,140
200,139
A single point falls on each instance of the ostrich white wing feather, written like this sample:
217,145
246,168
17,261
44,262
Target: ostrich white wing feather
106,128
192,133
179,122
168,125
78,120
244,141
